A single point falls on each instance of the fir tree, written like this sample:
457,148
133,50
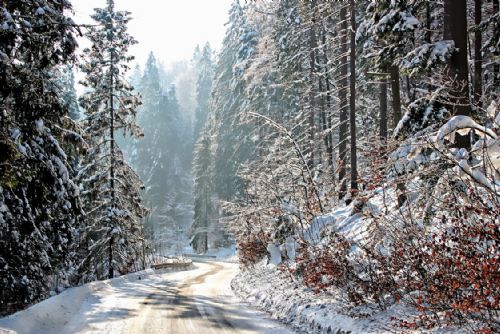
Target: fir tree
203,205
65,81
205,68
39,202
113,236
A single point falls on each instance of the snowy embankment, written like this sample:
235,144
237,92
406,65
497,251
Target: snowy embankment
287,299
65,312
272,291
268,289
54,312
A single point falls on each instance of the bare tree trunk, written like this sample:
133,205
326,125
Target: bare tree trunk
343,102
478,56
312,97
383,110
110,259
428,33
327,114
112,165
396,117
496,66
428,22
352,104
396,96
455,28
312,104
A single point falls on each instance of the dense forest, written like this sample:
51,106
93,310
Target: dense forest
385,109
385,112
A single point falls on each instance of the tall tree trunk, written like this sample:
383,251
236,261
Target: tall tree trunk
383,110
478,56
496,66
396,96
457,70
352,104
428,22
343,102
327,104
204,235
396,117
312,97
112,157
324,123
428,33
110,258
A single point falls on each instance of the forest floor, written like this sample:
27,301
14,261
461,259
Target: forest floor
194,301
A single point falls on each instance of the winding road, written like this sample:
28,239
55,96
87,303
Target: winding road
201,302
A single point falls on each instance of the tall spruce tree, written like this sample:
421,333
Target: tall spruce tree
205,67
203,205
39,202
113,236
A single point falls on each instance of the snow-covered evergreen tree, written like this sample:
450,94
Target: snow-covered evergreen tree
112,239
65,81
162,157
39,202
233,143
205,67
203,193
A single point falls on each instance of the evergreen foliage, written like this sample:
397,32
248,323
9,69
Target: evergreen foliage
39,201
113,236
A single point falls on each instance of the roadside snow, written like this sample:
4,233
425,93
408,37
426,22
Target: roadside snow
53,314
224,254
272,291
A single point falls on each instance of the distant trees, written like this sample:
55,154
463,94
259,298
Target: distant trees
205,70
40,209
225,139
162,157
113,235
203,193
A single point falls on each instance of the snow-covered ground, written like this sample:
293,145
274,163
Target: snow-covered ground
272,291
195,301
285,297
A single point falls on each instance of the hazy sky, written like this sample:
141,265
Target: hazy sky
169,28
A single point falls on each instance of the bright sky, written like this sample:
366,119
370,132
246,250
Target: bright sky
169,28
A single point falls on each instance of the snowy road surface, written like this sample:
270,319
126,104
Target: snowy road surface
190,302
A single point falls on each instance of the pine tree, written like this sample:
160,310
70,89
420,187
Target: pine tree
205,68
39,202
113,236
234,144
203,206
65,81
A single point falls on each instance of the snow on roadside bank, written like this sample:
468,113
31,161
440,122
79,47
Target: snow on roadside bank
53,312
67,310
224,254
266,288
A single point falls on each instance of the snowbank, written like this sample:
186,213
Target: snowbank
224,254
55,311
270,290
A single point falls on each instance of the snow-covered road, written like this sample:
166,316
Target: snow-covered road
195,301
